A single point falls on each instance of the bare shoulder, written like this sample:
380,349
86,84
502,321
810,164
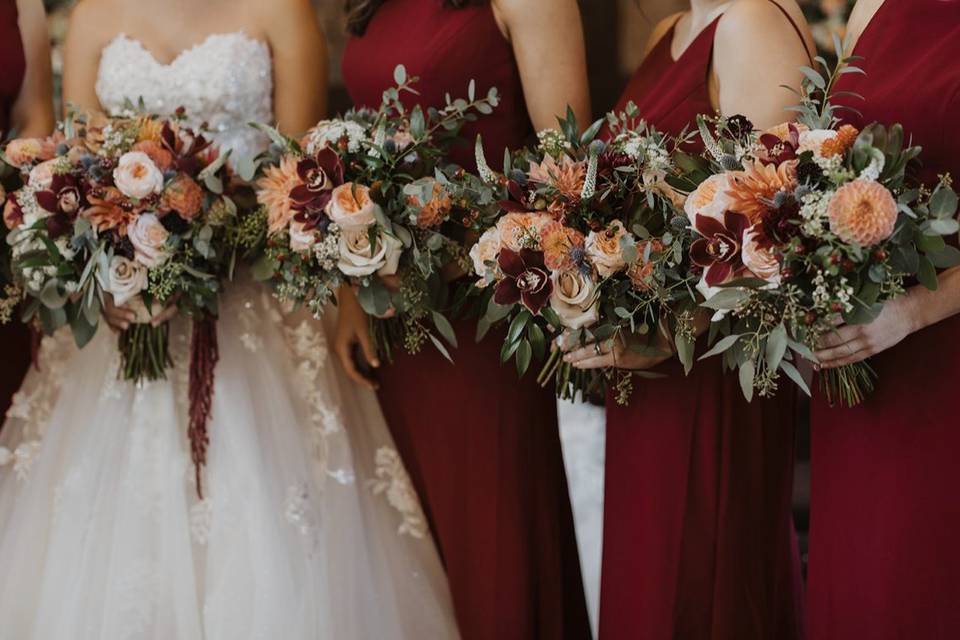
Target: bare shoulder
94,14
282,13
761,17
535,9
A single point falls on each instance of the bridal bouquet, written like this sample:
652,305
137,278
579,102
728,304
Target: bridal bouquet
587,241
806,226
363,200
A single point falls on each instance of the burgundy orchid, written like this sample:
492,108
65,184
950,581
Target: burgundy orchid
185,147
776,150
718,251
320,175
63,200
526,279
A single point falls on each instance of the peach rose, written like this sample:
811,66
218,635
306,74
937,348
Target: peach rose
149,239
127,279
604,249
23,152
710,198
184,196
862,212
485,250
156,152
759,261
352,207
573,298
358,257
301,240
520,230
137,176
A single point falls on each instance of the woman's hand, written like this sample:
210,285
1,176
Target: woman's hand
854,343
120,317
622,353
353,327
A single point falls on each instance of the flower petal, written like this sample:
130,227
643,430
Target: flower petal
507,292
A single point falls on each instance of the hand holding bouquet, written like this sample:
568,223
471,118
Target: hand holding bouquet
805,227
587,242
363,202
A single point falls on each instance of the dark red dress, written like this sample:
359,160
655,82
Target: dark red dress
697,525
885,509
14,337
482,447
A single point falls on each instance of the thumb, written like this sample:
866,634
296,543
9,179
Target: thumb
368,348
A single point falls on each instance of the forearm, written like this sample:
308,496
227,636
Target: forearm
930,307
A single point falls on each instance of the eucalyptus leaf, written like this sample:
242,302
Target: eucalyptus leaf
746,374
776,347
794,375
445,328
721,346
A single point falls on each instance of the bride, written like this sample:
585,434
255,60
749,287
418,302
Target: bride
309,528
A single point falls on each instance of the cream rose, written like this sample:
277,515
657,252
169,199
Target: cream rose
127,279
813,140
137,176
605,251
351,206
358,257
485,250
758,260
710,199
149,239
301,240
573,298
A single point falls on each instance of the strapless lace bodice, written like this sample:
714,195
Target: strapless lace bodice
225,81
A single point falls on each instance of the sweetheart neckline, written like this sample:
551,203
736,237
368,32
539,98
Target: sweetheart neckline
242,35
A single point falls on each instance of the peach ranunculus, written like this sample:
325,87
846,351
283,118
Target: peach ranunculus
137,176
156,152
485,250
109,210
758,260
184,196
558,242
24,152
862,212
753,188
359,257
574,298
522,230
127,279
709,199
149,239
436,209
352,207
605,251
566,176
640,271
273,192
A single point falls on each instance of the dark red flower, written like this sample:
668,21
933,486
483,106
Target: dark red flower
526,279
777,150
718,250
185,145
320,175
63,200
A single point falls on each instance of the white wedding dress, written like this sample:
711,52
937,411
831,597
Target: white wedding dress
309,528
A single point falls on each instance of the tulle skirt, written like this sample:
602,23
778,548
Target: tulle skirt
309,527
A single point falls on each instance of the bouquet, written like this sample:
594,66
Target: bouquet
134,207
806,226
364,201
10,293
585,240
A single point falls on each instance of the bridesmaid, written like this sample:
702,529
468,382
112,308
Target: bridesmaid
26,109
482,448
697,526
884,507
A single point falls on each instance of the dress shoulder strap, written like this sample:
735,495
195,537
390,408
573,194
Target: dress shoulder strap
793,24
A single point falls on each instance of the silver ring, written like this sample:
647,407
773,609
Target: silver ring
596,347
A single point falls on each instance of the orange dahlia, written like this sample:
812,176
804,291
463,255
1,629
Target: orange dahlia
184,196
567,176
862,212
558,243
155,151
839,145
752,190
273,192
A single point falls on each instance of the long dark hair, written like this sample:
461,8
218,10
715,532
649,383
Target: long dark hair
360,12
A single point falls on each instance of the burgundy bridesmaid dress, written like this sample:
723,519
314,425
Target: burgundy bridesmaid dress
885,510
482,448
14,337
697,538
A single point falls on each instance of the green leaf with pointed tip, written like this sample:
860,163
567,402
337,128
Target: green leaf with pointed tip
722,345
746,374
776,347
794,375
445,328
524,355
